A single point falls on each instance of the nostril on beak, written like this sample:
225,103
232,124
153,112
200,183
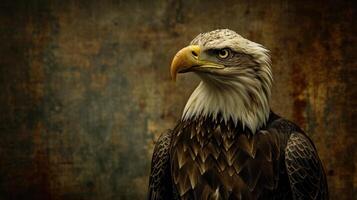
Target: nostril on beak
194,53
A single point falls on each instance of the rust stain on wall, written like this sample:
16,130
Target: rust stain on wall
85,87
299,105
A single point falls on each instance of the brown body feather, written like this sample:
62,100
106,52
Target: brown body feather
213,160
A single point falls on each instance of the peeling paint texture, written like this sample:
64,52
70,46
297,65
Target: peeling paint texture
85,87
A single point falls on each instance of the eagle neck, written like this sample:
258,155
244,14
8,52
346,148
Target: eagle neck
228,100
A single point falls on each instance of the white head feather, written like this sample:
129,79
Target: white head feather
243,94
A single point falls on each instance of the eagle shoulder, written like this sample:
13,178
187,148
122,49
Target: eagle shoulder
304,168
305,172
160,186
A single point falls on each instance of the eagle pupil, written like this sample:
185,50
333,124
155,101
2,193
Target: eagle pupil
223,53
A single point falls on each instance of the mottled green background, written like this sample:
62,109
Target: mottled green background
85,87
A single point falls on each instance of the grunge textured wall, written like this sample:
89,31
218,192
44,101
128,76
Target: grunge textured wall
85,87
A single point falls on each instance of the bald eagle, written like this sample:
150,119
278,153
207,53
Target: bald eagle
229,144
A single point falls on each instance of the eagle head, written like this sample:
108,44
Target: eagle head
236,78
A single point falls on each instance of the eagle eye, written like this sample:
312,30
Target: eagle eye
223,53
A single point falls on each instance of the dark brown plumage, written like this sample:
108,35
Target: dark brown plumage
205,160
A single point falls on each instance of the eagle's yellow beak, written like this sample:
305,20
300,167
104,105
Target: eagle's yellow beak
185,59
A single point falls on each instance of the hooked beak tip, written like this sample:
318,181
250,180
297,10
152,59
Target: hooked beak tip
184,59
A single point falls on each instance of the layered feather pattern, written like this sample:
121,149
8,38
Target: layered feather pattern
222,161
